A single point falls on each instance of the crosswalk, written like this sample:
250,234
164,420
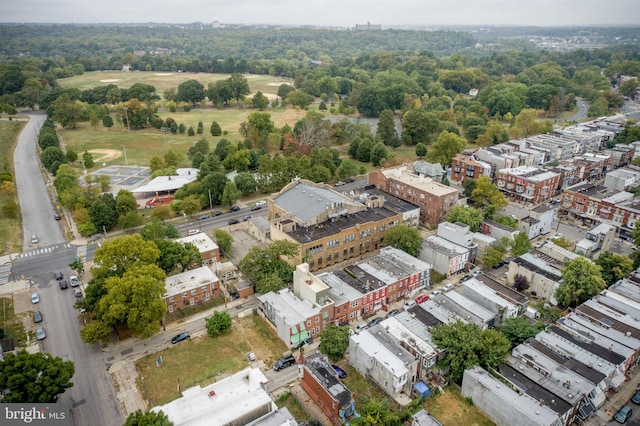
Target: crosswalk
5,270
81,252
36,252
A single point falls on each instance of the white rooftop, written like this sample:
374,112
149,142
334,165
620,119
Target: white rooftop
201,240
169,183
428,185
368,343
288,304
189,280
227,401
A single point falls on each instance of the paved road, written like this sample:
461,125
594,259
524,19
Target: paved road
581,114
92,396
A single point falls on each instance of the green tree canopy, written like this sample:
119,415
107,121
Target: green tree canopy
120,254
334,341
519,329
150,418
581,280
485,193
266,265
34,378
445,148
520,244
405,238
614,267
190,91
467,215
224,240
466,346
260,101
218,323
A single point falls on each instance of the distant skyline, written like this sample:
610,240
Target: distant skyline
345,13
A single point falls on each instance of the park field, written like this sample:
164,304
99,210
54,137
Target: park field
10,227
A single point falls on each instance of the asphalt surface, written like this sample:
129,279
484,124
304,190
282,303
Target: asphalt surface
92,397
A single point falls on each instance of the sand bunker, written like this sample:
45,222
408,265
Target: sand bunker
278,83
107,154
163,74
110,80
267,95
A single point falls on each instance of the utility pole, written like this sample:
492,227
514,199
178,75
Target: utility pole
164,134
126,113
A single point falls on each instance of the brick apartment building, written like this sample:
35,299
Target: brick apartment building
466,166
189,288
526,183
434,199
321,383
329,227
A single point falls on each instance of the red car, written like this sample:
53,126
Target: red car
422,298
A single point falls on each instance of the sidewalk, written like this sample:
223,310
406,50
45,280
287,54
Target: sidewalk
614,402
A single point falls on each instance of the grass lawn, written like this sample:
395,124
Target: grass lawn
166,80
452,409
12,325
294,407
205,360
10,228
361,387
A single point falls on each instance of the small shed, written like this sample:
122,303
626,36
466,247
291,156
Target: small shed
421,390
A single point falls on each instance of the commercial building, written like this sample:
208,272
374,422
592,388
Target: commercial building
329,226
529,184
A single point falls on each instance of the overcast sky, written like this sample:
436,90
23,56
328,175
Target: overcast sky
345,13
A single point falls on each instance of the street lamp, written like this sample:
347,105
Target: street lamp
126,113
164,134
125,155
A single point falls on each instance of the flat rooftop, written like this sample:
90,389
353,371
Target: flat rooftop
427,185
188,280
306,201
325,375
326,229
201,240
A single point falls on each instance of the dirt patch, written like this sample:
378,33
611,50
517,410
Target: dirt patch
242,243
450,408
164,74
110,80
107,154
279,83
270,96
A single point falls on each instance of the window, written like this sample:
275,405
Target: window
207,296
184,294
354,304
308,323
191,301
194,291
317,320
170,308
172,299
204,288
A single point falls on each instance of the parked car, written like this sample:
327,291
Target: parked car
623,414
56,216
234,209
339,183
351,180
339,371
247,217
284,362
465,278
361,327
234,295
37,317
40,333
58,275
422,298
218,213
636,398
63,284
409,304
261,203
180,337
77,293
34,239
256,207
35,298
193,231
233,221
392,313
557,235
375,321
203,217
434,293
73,280
447,287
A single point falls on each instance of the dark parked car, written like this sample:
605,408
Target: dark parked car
37,316
256,207
392,313
341,373
63,284
234,209
284,362
56,216
374,321
234,295
233,221
623,414
636,398
57,275
40,333
180,337
203,217
217,214
351,180
77,293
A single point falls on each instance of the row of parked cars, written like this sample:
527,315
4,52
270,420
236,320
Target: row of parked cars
626,411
